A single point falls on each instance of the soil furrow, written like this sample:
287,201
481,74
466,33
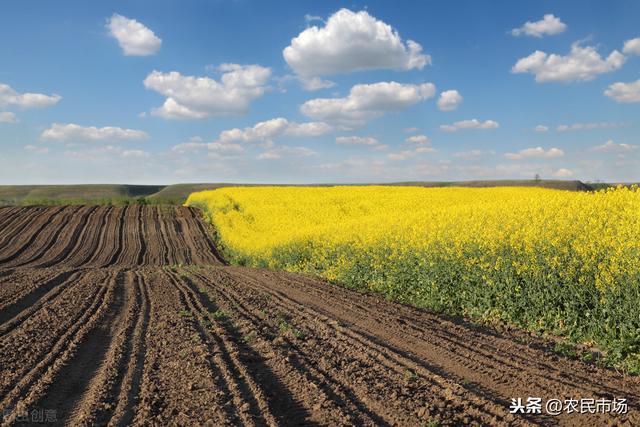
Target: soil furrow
25,240
129,388
43,240
74,241
247,404
32,384
14,314
71,386
22,222
339,342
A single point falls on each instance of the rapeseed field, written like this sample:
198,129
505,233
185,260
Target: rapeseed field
566,263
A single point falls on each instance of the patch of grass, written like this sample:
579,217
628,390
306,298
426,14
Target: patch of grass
409,375
218,315
286,328
249,338
565,349
185,313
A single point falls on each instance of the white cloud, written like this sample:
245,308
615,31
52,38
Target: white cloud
612,147
632,47
624,92
8,96
411,129
449,100
581,64
307,129
549,25
215,148
366,102
267,130
563,173
420,144
134,38
100,153
588,126
224,147
190,97
541,128
418,139
352,41
36,149
8,117
357,140
189,147
315,83
286,151
195,144
402,155
535,152
470,124
134,153
73,132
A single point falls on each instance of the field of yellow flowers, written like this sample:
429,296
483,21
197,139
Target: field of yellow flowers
567,263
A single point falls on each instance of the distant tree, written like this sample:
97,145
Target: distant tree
536,177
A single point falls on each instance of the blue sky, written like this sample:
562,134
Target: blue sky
302,92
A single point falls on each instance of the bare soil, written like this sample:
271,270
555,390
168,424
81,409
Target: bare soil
127,316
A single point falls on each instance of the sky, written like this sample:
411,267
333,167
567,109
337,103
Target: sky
161,92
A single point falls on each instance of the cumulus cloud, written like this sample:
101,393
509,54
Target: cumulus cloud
549,25
352,41
8,117
76,133
224,148
632,47
189,97
418,139
133,37
286,151
134,153
563,173
36,149
215,148
419,144
267,130
624,92
366,102
99,153
541,128
315,83
308,129
588,126
411,129
470,124
449,100
612,147
9,97
401,155
535,152
357,140
581,64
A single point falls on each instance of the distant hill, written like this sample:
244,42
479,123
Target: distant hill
544,183
38,194
178,193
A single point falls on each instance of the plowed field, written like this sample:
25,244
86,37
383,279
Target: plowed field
126,315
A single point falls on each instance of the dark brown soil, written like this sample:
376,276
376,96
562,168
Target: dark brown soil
125,315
